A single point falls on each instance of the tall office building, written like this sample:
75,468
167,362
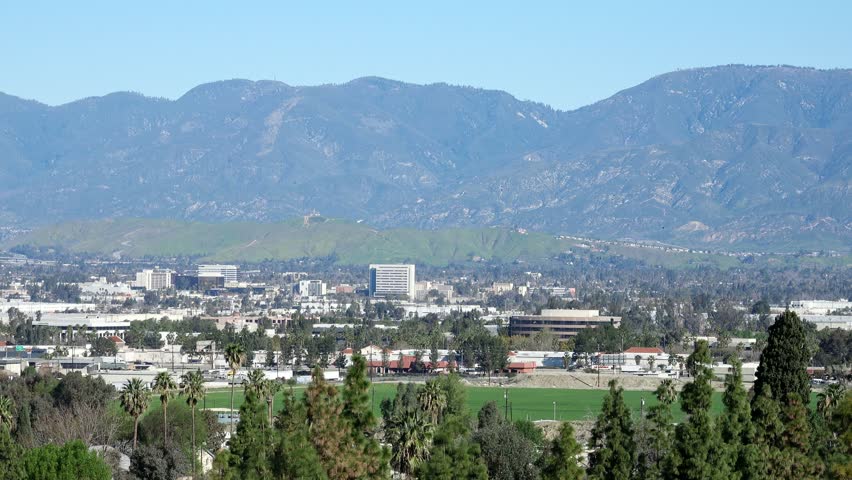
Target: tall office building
389,280
154,279
229,272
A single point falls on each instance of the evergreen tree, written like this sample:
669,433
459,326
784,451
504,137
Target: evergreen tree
735,428
10,457
796,461
356,409
249,448
658,434
560,462
697,453
784,361
294,456
612,443
453,455
331,433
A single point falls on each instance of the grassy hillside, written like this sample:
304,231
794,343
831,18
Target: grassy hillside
351,243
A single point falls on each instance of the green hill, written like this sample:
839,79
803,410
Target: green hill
351,243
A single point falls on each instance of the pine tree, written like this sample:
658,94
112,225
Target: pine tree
249,448
453,455
356,409
331,433
784,361
796,460
659,433
735,428
294,456
697,453
560,462
612,438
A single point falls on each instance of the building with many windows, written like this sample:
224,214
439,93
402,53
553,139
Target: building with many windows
562,323
154,279
229,272
392,280
311,288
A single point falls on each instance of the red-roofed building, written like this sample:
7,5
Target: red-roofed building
520,367
119,343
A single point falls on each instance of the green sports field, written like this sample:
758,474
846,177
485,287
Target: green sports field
531,403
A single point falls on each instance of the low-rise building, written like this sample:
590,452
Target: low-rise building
562,323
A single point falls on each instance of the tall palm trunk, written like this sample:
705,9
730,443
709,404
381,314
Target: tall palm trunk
231,417
165,423
193,442
135,431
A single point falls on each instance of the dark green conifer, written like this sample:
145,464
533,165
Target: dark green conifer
612,439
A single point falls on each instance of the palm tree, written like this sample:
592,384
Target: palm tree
666,392
134,399
235,355
193,388
165,386
651,360
270,389
7,409
254,382
410,434
432,400
829,398
637,359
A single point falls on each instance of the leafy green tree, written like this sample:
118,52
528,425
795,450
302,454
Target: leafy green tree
784,361
454,455
840,465
561,461
103,347
495,437
134,401
165,462
612,444
11,453
72,461
235,355
193,389
165,386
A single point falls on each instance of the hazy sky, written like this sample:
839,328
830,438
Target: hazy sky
562,53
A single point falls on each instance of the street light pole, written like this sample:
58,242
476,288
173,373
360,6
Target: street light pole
554,411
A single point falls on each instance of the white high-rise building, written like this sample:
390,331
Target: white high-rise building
227,271
388,280
312,288
154,279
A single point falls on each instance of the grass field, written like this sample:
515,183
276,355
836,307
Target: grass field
532,403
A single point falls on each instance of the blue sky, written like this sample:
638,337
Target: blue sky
561,53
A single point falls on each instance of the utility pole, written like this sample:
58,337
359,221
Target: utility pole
506,402
554,411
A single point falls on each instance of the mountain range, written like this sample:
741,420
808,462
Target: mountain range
730,157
